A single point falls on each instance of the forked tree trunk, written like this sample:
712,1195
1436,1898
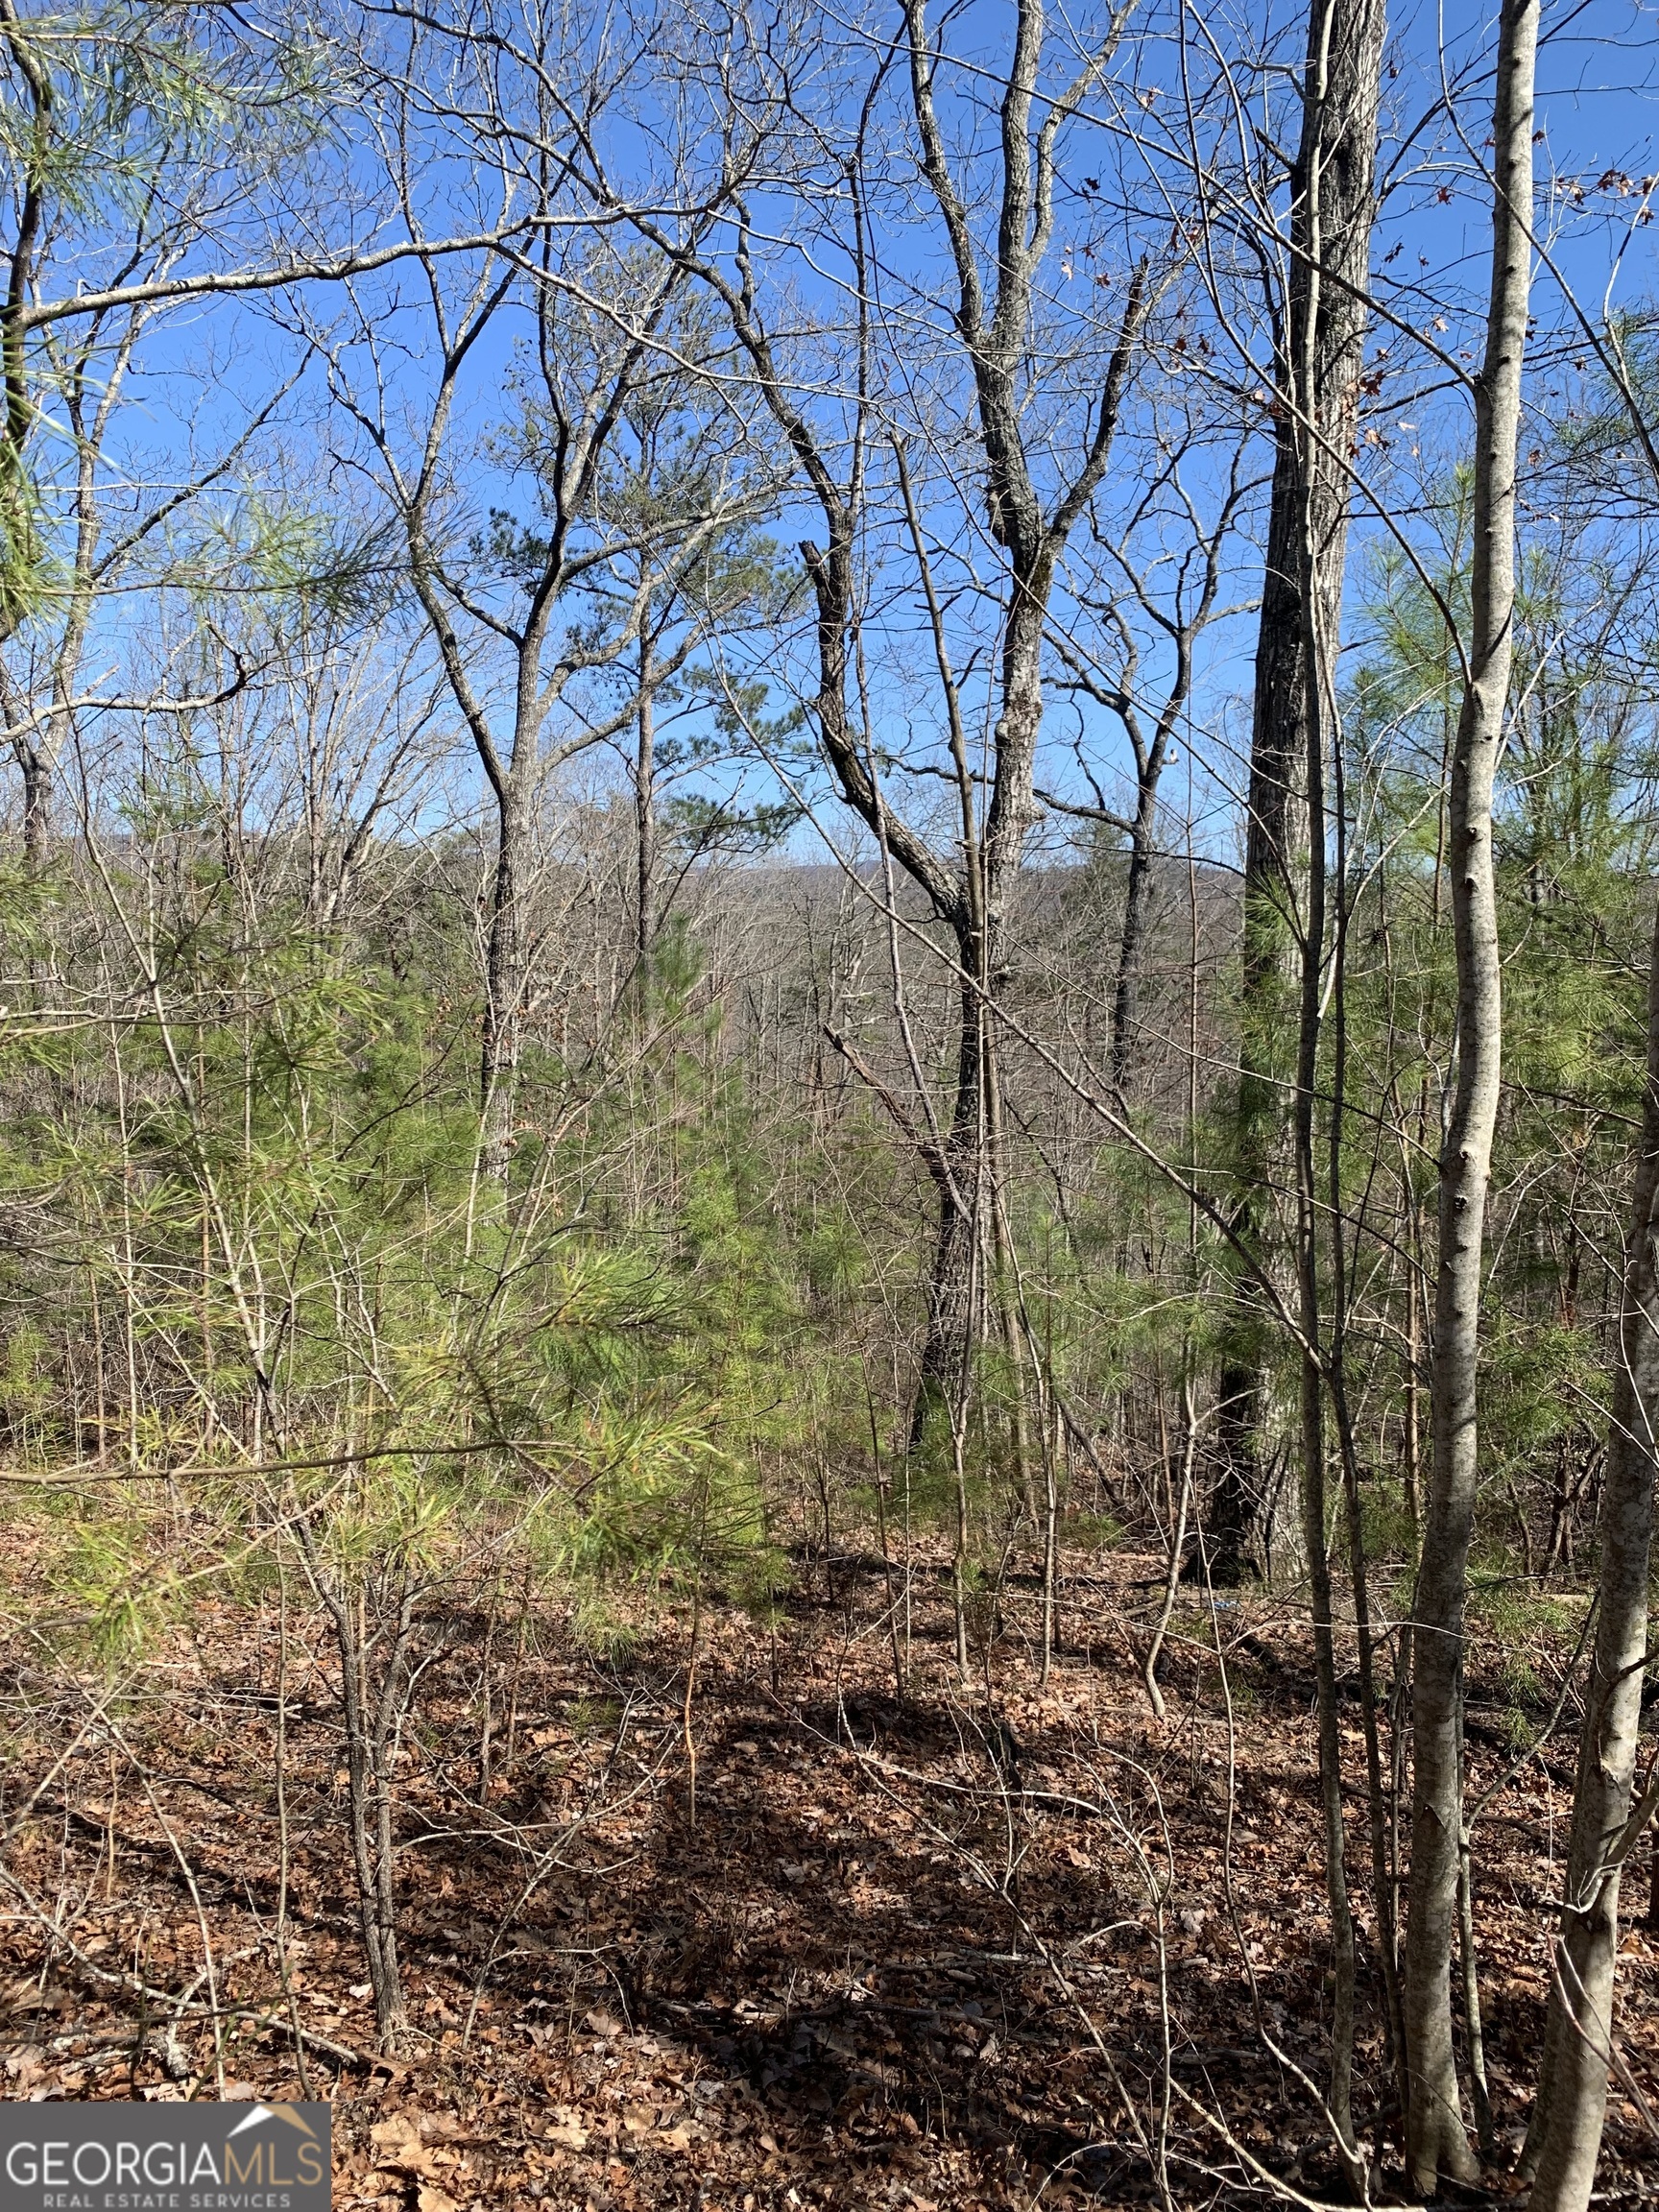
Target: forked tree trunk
1435,2139
1565,2135
994,329
1332,199
1033,538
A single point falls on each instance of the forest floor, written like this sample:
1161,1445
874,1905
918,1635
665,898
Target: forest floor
938,1950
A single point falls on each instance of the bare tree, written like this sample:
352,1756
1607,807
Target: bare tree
992,325
1320,342
504,596
1435,2138
162,161
987,338
1176,597
72,518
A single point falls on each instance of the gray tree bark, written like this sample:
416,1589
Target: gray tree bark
1565,2137
1321,355
1435,2138
1321,484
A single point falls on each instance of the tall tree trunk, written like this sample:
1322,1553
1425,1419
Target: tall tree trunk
1565,2137
1319,645
1319,662
1321,355
994,331
996,346
1435,2138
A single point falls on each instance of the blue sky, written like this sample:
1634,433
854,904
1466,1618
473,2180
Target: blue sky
208,367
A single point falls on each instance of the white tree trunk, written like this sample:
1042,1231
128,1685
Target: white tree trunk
1435,2137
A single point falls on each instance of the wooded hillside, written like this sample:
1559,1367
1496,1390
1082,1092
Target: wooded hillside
829,1096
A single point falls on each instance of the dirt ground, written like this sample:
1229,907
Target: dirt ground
965,1948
